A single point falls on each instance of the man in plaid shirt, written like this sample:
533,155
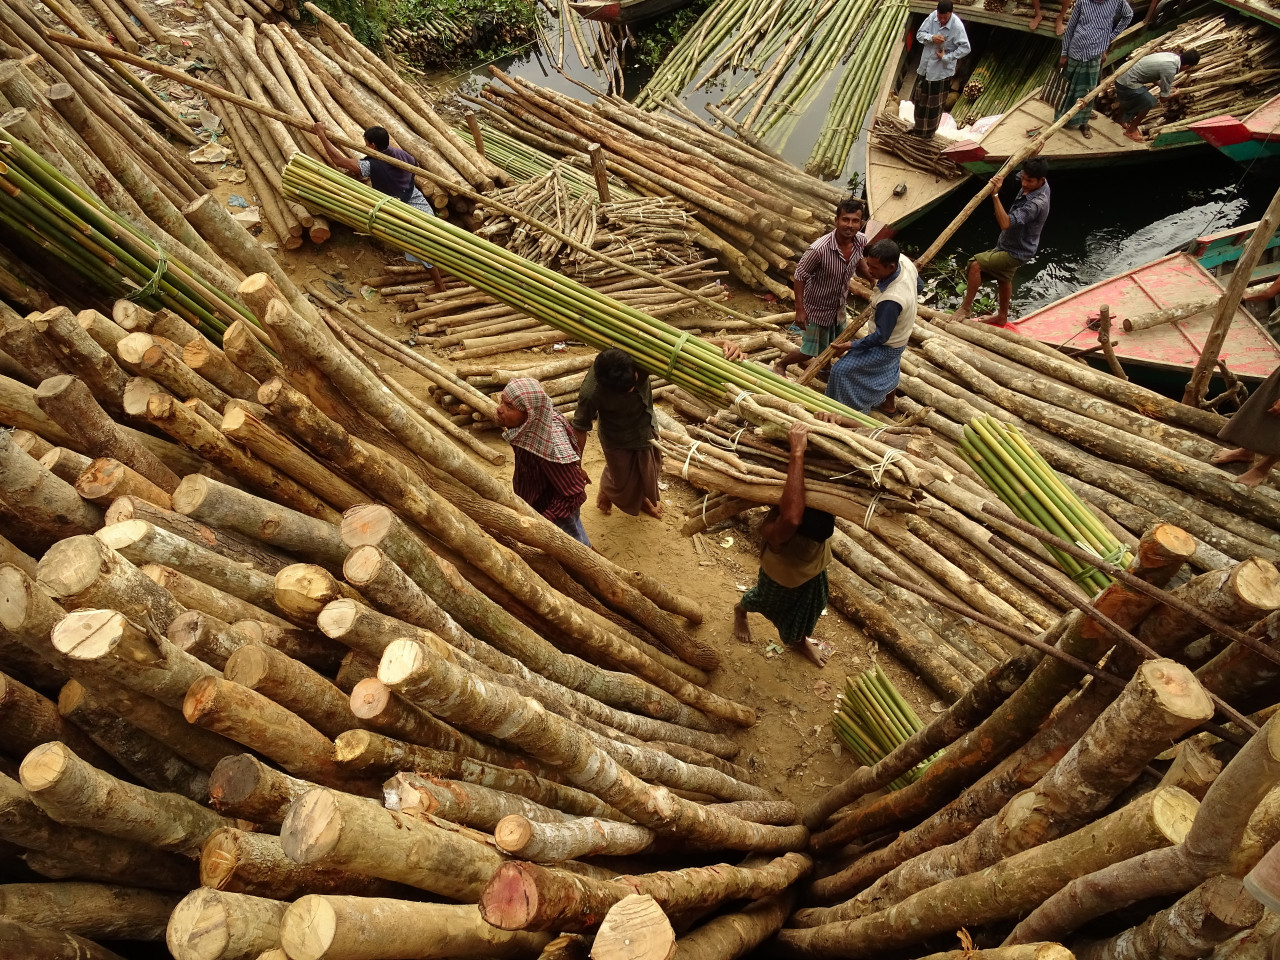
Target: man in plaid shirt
821,283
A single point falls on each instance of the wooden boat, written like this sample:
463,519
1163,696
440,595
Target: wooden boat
1255,137
1249,351
1218,252
626,11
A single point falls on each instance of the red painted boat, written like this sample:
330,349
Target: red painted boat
1256,136
1249,351
625,11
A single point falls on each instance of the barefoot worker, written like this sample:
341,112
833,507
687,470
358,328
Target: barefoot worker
1090,30
791,589
1020,228
1135,100
383,177
618,392
548,473
821,283
943,42
868,372
1255,430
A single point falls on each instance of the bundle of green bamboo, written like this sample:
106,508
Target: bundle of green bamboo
753,210
522,161
1004,74
872,719
1029,486
47,214
1239,70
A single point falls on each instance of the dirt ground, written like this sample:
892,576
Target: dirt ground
791,747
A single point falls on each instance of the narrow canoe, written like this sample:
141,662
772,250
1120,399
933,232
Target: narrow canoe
1249,351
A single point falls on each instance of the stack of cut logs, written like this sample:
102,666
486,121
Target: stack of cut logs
330,78
753,210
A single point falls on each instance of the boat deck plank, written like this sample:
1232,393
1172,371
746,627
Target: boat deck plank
1264,123
1249,351
885,171
1010,134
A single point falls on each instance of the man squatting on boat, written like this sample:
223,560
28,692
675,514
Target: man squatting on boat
1020,228
1133,86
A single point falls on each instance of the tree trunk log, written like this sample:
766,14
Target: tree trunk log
347,833
231,545
374,573
733,935
11,553
147,760
1238,673
65,464
243,786
78,794
105,332
1161,703
241,425
120,861
27,617
160,359
106,642
1193,769
200,437
1008,888
449,692
199,597
1242,593
482,617
377,708
83,357
28,719
227,508
467,804
1217,909
22,341
294,686
316,651
525,896
105,479
207,361
247,352
84,573
50,507
365,928
216,925
36,942
569,840
635,928
254,863
248,717
96,911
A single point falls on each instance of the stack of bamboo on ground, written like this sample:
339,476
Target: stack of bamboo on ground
1239,70
334,79
753,210
652,232
1044,813
240,669
521,161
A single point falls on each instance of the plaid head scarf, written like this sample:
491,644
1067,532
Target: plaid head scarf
545,433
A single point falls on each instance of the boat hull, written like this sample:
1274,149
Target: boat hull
626,11
1256,137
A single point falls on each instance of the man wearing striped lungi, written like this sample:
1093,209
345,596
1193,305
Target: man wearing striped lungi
944,41
1090,30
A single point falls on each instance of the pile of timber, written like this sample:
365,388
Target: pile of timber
652,232
1043,829
303,693
334,79
755,211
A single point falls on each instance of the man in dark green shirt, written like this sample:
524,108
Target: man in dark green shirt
618,393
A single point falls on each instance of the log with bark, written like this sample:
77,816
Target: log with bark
95,911
232,926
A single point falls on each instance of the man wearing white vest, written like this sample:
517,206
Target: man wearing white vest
868,372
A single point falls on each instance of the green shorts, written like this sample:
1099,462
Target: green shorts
816,339
999,264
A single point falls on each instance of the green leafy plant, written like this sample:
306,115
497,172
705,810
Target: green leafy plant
944,284
460,33
367,18
656,38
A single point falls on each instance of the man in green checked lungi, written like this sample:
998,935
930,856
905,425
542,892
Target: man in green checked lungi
791,589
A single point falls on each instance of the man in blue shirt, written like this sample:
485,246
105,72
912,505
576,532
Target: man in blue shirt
1020,228
943,42
1090,30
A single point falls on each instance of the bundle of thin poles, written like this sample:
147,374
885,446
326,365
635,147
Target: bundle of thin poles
872,719
43,209
1011,467
1004,75
891,134
568,306
521,161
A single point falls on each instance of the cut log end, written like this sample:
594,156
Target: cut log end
510,901
46,765
366,523
369,698
1257,583
90,634
1165,543
512,833
302,590
1177,689
362,564
309,932
200,698
312,827
401,659
247,666
1173,810
191,492
70,566
338,617
635,928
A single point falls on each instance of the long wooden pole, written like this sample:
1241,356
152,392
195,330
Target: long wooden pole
1226,311
1014,161
337,137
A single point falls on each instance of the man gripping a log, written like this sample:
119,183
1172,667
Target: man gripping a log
618,392
791,588
383,177
821,283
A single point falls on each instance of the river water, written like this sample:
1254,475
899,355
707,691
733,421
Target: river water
1103,221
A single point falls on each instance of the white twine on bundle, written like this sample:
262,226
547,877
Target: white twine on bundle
739,434
871,511
875,434
684,471
891,456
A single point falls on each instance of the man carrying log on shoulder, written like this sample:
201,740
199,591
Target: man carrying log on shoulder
383,177
618,392
821,283
1020,228
791,588
867,375
1135,100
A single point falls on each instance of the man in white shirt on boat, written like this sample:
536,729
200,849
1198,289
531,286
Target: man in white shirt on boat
1133,95
943,41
